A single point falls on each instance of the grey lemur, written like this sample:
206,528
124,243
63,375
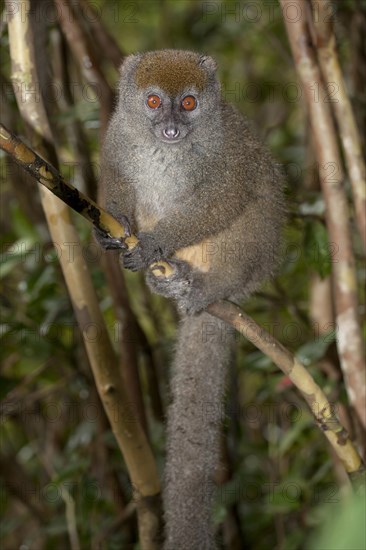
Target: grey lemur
199,190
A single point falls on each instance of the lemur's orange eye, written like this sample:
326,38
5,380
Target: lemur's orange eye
189,103
153,101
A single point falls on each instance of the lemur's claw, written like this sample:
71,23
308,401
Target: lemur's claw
126,225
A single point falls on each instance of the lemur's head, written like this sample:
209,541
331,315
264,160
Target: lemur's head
168,93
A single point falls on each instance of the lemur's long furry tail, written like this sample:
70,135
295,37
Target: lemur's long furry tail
204,350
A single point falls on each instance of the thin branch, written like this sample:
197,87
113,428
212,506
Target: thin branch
70,516
48,176
349,342
320,407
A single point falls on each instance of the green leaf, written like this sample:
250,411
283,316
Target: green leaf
285,497
317,249
313,351
293,434
71,471
21,225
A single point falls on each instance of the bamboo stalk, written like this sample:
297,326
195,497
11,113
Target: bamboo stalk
325,43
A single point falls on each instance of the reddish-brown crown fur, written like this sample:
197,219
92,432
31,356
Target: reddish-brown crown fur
171,71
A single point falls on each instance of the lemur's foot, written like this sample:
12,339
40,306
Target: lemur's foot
174,285
178,285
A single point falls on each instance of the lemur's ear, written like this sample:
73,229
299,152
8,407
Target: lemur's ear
129,64
208,63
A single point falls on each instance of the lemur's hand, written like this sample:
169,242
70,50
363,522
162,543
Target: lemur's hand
112,243
143,254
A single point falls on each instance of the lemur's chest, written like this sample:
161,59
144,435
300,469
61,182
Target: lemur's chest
162,181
